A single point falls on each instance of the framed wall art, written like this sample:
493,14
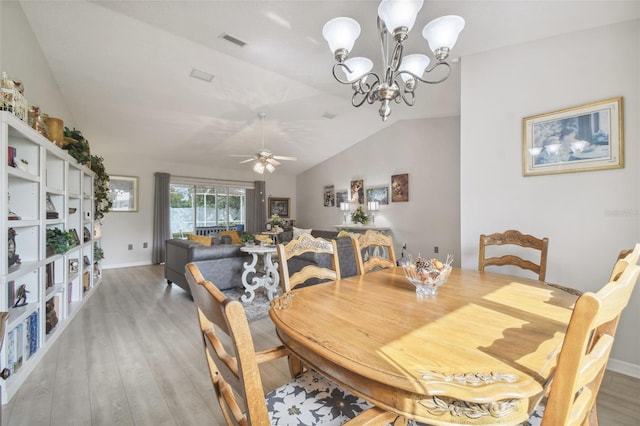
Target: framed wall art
400,187
279,206
329,196
341,197
123,191
582,138
379,194
357,192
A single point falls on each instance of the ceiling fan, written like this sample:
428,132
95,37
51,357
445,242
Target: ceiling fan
264,159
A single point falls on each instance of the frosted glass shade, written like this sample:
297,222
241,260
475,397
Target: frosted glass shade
258,167
270,167
359,66
341,33
399,13
443,31
415,64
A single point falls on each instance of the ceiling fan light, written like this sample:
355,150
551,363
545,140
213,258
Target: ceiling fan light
399,13
359,66
443,32
258,167
270,167
415,64
341,33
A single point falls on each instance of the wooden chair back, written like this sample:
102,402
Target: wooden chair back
585,352
373,239
234,370
514,237
304,244
625,258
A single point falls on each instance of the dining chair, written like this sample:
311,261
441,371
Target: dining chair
234,369
301,261
513,237
584,354
625,257
379,252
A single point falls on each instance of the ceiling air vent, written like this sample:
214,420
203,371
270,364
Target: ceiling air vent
232,39
329,115
201,75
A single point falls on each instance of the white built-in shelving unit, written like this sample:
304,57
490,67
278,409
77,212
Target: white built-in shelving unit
56,285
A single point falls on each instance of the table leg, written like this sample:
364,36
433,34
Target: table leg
272,280
248,287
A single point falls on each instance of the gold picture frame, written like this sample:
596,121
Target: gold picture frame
577,139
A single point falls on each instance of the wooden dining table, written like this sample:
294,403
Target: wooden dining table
481,351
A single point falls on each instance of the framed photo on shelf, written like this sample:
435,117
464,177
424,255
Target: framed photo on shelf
123,191
279,206
379,194
73,265
577,139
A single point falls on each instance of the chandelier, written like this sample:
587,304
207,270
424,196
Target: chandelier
401,73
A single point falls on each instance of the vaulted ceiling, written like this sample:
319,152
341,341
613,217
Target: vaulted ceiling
124,70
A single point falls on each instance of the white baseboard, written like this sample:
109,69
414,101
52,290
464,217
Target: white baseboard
126,265
623,367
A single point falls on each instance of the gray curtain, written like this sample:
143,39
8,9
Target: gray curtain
161,217
256,208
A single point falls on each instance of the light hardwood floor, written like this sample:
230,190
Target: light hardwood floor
133,356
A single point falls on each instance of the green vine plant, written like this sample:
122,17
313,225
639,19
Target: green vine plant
80,149
100,188
58,241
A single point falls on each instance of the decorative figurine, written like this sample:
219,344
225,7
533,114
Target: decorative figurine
21,296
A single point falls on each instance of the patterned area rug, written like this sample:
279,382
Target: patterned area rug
256,309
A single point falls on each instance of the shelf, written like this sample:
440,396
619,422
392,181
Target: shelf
50,179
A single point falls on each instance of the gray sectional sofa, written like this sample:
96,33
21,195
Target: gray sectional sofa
222,263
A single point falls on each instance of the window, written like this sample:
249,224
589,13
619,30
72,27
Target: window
205,209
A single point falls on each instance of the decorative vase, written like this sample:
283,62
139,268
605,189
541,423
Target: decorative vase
37,122
55,128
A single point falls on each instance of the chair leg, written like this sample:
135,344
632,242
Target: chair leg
376,417
592,419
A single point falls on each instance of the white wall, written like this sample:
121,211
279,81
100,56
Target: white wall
428,150
590,216
22,58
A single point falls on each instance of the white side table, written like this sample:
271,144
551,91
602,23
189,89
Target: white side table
270,280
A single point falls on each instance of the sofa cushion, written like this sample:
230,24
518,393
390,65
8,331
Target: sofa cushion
201,239
235,237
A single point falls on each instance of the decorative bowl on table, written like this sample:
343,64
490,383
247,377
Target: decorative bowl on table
427,274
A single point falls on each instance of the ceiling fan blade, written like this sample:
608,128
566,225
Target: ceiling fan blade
280,157
247,160
272,161
241,155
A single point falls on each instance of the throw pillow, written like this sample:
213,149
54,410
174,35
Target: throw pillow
297,232
202,239
235,238
344,233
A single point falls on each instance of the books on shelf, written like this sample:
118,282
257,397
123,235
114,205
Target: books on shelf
22,342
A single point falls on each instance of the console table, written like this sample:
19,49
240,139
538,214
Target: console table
269,280
362,228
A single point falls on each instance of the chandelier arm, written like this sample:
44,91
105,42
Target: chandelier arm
340,65
366,90
408,93
384,41
428,70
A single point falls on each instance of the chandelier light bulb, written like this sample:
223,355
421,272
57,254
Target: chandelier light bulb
442,33
359,66
399,14
415,64
341,34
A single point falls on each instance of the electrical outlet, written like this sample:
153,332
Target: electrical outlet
145,245
436,249
130,247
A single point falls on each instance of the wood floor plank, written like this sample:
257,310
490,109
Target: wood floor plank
133,356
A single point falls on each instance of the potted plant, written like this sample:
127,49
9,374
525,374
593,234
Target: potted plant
359,216
98,253
248,239
275,222
78,147
59,241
